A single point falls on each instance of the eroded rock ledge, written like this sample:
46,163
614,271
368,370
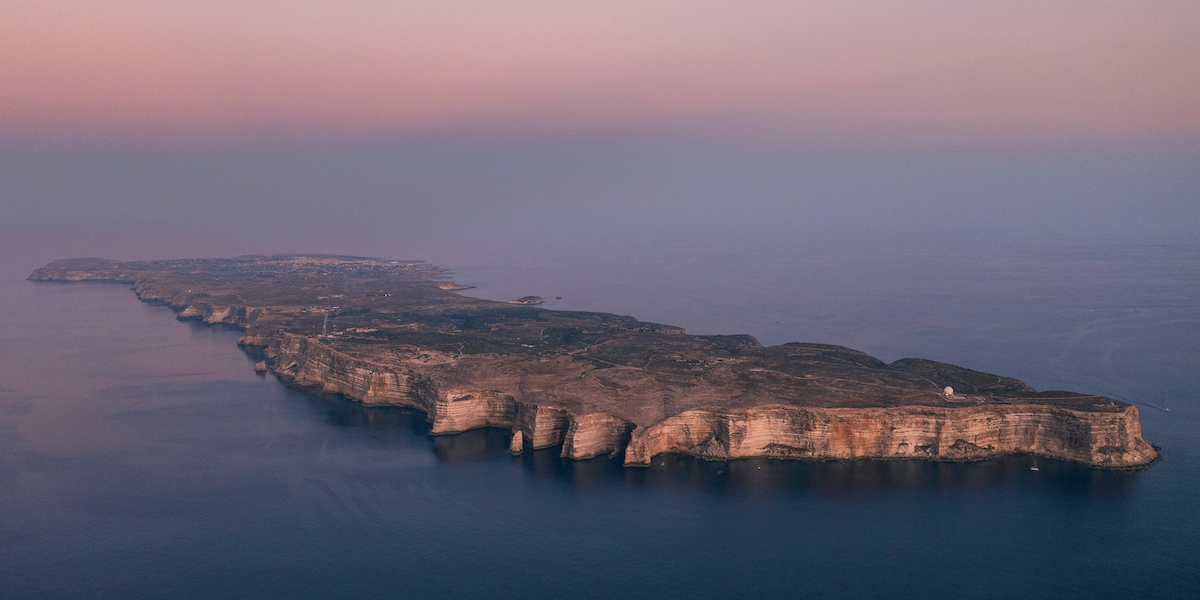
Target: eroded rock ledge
1110,439
395,333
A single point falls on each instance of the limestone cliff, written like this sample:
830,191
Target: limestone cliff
1111,440
310,363
973,432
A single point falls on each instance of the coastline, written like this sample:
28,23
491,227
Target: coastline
1108,438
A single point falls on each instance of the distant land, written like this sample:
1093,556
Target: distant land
398,333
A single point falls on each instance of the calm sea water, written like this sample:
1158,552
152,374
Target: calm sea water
141,457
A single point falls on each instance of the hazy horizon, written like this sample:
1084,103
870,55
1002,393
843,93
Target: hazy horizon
446,200
134,128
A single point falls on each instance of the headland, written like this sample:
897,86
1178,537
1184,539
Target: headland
398,333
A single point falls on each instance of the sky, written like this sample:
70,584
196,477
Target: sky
859,71
460,130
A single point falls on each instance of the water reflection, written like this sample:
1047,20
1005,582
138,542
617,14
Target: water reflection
471,446
859,478
598,471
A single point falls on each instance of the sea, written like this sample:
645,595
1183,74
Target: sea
142,457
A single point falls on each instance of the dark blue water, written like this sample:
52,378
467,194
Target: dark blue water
141,457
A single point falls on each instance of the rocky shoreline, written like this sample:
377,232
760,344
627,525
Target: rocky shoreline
1105,440
624,387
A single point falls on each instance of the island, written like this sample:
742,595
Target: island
400,333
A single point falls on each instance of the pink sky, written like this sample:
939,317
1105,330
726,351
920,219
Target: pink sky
908,71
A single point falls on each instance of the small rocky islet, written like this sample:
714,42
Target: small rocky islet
399,333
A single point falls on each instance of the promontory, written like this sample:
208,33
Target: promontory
400,333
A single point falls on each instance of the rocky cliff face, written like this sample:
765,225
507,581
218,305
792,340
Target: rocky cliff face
310,363
1110,440
596,434
1104,439
237,314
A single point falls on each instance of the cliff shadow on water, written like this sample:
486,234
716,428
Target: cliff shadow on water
835,479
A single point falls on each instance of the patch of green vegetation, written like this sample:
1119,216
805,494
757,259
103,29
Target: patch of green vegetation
484,319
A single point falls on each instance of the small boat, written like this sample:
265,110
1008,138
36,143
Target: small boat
1034,467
